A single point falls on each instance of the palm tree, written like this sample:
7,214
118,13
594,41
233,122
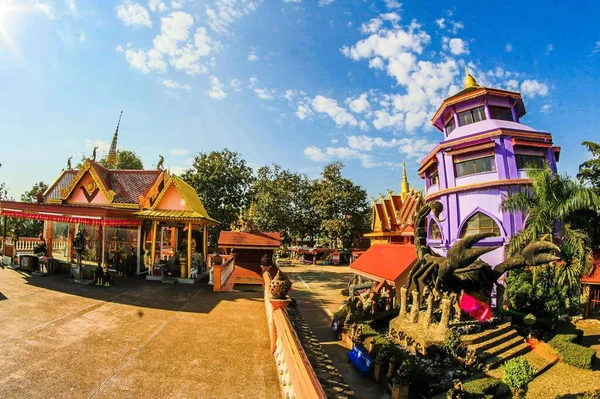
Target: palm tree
549,204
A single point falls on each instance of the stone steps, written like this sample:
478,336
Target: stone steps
494,341
498,350
485,335
496,361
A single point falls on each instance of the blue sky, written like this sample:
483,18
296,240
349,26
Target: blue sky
295,82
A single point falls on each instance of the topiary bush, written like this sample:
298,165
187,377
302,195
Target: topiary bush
571,353
453,344
518,373
481,387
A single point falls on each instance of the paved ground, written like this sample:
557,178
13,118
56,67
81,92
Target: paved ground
137,339
317,289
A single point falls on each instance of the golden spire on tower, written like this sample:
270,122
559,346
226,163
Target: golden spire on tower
111,158
405,187
469,79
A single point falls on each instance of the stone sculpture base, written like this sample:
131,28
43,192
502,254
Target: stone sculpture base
417,338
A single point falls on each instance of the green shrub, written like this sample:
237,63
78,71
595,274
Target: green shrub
591,394
573,354
452,343
517,373
529,320
481,387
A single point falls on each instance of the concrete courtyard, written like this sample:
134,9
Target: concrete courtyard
136,339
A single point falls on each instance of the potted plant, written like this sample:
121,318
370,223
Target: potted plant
381,363
400,382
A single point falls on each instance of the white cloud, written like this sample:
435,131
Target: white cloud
235,84
173,29
138,59
546,108
46,9
264,94
292,1
82,37
176,151
315,154
225,12
441,23
376,63
383,119
393,4
216,89
119,48
334,141
596,48
177,4
102,145
174,85
455,45
324,3
157,6
456,26
303,111
330,107
71,5
359,104
508,47
252,57
133,14
533,88
549,48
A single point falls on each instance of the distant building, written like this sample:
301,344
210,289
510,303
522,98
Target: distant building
392,252
484,156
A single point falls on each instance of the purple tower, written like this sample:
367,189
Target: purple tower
483,157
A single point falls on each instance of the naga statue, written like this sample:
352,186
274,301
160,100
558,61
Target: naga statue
69,167
161,160
94,153
462,270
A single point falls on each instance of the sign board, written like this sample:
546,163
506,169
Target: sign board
335,258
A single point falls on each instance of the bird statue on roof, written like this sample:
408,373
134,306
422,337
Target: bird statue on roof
94,153
69,167
161,160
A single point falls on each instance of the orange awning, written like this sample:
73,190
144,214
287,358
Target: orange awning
385,261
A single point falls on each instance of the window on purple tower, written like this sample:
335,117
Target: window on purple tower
434,231
525,161
434,178
450,125
471,116
474,166
479,223
502,113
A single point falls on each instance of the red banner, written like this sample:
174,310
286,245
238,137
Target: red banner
71,219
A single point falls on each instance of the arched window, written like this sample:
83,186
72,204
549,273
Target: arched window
434,231
480,223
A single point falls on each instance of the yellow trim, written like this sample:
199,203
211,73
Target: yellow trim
53,201
466,187
474,94
125,205
65,193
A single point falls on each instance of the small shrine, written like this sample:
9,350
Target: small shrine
127,221
252,248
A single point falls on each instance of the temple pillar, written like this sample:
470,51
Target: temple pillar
139,250
49,236
70,237
153,255
205,244
486,108
187,267
102,246
4,220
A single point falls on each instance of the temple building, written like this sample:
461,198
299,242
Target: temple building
483,157
249,246
130,221
392,253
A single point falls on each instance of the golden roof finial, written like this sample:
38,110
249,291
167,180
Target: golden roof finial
405,186
469,79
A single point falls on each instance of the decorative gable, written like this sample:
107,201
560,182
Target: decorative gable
88,182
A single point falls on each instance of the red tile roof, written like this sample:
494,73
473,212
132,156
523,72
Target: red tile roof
594,276
386,261
244,239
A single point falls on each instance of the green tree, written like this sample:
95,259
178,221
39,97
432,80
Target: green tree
341,206
222,180
126,159
549,204
30,227
283,202
589,171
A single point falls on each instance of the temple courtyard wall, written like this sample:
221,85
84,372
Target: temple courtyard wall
135,339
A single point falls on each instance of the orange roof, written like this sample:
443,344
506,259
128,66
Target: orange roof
247,239
386,261
594,276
